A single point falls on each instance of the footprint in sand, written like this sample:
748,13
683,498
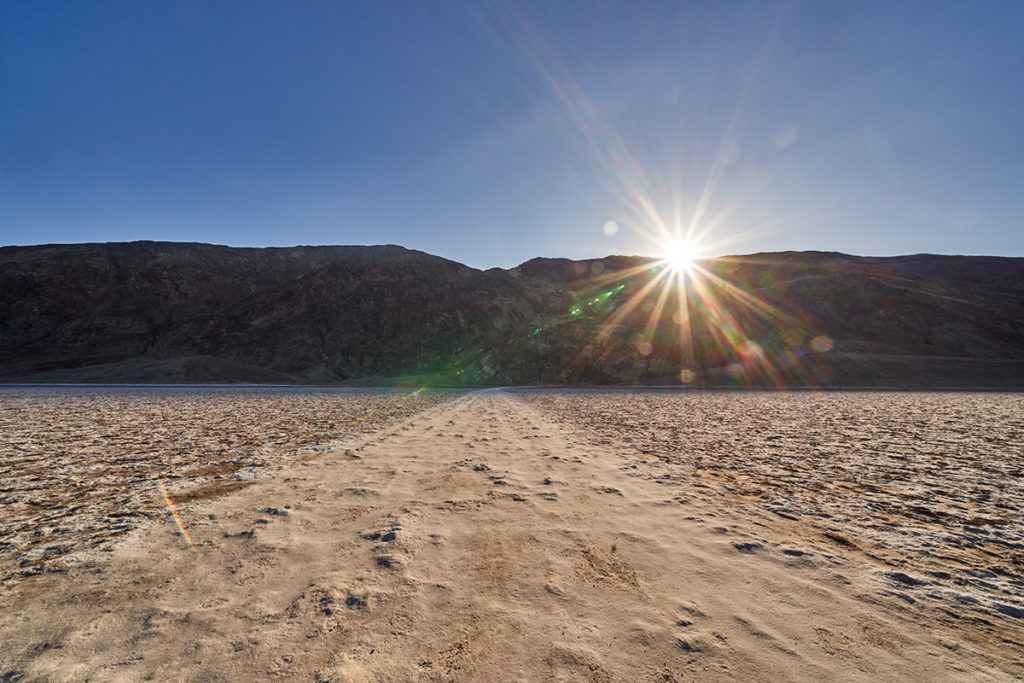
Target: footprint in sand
747,547
388,562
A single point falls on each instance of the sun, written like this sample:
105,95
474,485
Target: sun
680,255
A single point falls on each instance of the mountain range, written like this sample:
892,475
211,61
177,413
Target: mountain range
183,312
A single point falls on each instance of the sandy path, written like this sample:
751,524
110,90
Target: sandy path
477,540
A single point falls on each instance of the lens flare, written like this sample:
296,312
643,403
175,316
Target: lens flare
718,327
174,514
694,321
822,343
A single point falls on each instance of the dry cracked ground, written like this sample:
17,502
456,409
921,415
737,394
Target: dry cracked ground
514,535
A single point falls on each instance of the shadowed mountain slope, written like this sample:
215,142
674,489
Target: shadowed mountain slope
147,311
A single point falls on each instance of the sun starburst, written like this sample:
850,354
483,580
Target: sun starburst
681,314
680,255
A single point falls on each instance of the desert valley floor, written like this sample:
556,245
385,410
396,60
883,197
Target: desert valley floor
510,535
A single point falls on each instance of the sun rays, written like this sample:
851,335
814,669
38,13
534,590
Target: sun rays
680,314
688,320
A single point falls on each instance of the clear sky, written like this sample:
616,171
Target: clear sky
491,133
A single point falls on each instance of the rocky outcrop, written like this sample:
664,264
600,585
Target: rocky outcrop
148,311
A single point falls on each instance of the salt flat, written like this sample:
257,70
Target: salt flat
78,465
570,536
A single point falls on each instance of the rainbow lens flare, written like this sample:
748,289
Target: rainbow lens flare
174,514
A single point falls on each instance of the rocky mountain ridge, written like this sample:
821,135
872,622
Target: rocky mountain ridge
159,312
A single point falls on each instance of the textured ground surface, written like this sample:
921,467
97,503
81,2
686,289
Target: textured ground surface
928,486
572,536
78,466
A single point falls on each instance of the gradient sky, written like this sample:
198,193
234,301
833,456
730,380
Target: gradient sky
491,133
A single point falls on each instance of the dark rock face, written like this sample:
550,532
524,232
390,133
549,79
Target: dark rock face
146,311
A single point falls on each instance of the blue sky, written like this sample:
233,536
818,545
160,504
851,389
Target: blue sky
491,133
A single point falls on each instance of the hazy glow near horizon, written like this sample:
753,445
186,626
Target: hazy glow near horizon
494,133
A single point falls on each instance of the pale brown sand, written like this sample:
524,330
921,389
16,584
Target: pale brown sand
78,466
496,537
928,486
